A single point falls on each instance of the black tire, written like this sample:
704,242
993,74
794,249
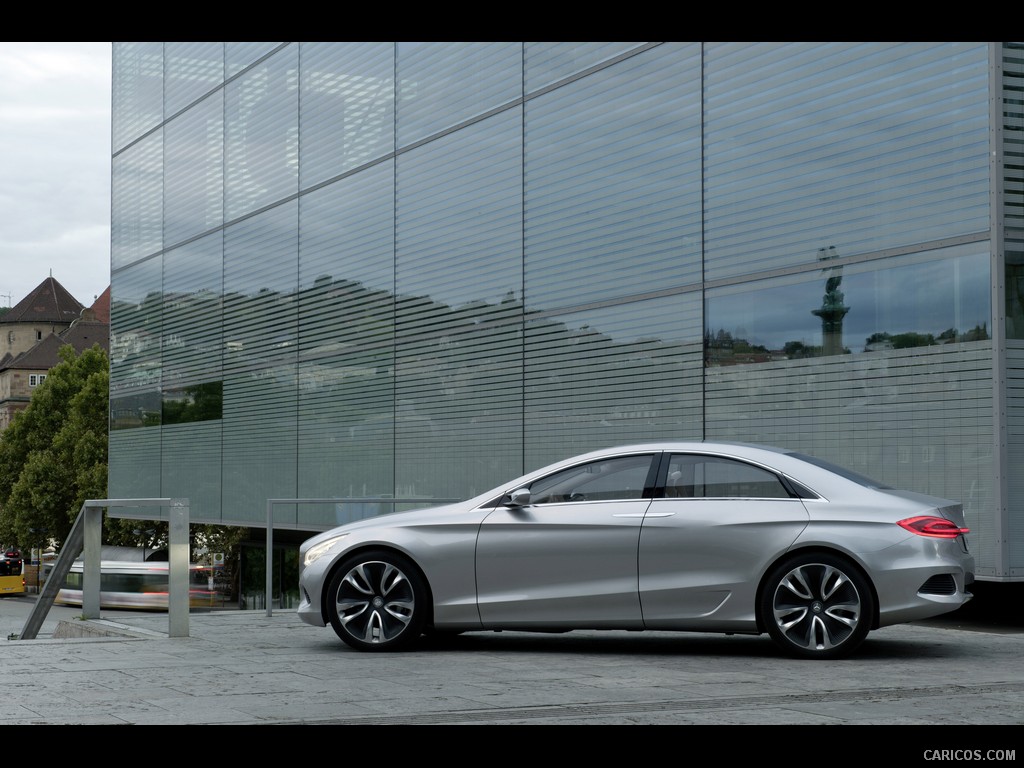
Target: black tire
377,601
817,606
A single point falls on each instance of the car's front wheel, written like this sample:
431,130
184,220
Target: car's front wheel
817,606
377,601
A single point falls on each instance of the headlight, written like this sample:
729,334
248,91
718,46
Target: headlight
321,549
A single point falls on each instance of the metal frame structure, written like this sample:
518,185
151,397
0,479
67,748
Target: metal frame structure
86,537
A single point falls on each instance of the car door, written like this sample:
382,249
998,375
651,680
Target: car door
569,557
705,543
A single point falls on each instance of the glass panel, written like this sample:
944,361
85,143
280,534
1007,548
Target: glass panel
191,457
261,124
346,338
136,311
613,182
347,107
547,63
621,374
238,56
137,201
457,398
137,91
192,71
192,337
459,269
444,84
194,171
864,146
1012,58
260,382
1014,294
459,214
133,467
924,300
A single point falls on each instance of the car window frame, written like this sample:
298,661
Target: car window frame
792,489
648,491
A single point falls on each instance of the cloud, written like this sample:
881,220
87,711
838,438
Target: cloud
55,155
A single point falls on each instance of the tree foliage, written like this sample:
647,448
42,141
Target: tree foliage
53,455
53,458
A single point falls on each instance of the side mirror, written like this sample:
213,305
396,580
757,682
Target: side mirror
520,497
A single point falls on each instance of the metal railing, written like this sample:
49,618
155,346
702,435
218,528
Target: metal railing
86,538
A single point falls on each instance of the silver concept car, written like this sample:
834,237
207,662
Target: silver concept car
684,536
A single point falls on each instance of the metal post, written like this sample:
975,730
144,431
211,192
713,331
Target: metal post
92,570
178,569
270,554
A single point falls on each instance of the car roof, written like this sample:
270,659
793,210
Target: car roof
721,447
818,475
724,448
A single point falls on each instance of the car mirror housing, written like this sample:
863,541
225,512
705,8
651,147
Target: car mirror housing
520,497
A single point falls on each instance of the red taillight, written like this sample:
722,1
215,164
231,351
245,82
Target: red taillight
936,527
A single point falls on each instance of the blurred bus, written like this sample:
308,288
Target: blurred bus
139,586
12,580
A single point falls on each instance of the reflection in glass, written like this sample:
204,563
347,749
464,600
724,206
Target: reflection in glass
137,90
441,84
136,316
190,71
612,170
346,337
260,357
261,145
867,145
199,402
346,107
617,374
1014,294
194,171
137,201
930,302
548,62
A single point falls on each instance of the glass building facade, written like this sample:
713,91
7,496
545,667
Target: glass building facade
377,272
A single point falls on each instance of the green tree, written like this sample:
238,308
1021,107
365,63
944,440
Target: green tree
911,339
53,458
53,455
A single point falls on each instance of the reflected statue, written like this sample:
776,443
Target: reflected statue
832,310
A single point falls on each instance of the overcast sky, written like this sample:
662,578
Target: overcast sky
54,168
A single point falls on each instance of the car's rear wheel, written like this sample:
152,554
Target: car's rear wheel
377,601
817,606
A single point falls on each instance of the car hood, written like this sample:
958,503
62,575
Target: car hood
393,519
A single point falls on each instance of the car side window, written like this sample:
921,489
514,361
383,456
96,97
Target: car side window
619,478
691,476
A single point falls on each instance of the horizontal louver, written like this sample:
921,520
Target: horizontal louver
864,146
260,326
346,108
443,84
261,163
612,179
194,171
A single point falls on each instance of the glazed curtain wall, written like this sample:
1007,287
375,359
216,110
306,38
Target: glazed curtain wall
1012,60
417,270
1015,448
850,176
